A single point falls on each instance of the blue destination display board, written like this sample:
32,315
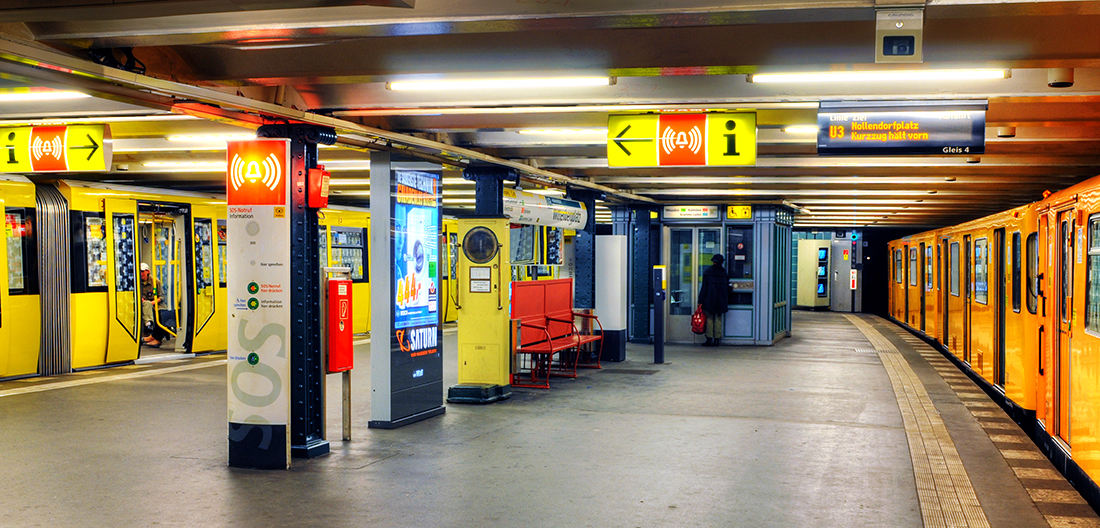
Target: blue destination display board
902,128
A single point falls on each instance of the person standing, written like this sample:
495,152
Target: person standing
149,302
714,297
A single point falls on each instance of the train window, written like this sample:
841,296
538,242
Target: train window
1067,268
95,240
928,268
17,229
981,271
1092,285
1016,264
1033,273
222,249
348,248
898,263
955,269
125,280
913,267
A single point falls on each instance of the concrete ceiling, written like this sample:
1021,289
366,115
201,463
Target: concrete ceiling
332,60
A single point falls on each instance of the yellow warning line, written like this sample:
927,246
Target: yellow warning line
946,495
113,377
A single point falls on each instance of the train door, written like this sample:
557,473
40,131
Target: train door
1041,252
945,290
1064,319
123,304
968,296
203,256
689,253
904,263
165,230
999,304
920,285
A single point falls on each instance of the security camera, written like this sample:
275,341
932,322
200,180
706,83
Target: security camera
898,35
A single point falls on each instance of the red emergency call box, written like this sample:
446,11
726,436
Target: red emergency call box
340,346
318,187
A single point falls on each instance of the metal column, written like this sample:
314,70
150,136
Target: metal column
307,381
584,250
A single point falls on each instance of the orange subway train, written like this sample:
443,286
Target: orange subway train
1014,300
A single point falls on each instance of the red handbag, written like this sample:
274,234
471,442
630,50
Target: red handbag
699,321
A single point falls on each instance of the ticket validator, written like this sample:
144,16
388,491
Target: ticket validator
481,293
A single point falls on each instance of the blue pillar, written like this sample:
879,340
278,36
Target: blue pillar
307,378
584,251
489,187
641,274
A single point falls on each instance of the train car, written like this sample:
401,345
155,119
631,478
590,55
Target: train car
20,309
345,242
115,230
450,270
1018,305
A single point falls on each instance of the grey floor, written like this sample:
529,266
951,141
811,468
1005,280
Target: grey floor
806,433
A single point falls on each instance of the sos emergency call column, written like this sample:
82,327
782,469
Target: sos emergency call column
258,297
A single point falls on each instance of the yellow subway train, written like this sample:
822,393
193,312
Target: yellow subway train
74,250
1014,298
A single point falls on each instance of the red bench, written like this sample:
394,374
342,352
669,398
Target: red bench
549,343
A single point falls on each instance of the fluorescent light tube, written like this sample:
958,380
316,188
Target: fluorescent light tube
498,84
876,76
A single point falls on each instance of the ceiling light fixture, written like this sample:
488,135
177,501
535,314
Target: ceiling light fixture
40,95
801,129
878,76
211,138
564,131
499,84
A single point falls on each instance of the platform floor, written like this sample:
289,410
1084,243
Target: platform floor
806,433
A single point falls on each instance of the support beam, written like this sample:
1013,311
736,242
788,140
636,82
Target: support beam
584,250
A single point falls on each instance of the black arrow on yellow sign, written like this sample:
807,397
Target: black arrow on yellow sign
619,140
94,146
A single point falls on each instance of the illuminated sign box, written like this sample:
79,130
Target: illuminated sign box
684,212
939,128
714,139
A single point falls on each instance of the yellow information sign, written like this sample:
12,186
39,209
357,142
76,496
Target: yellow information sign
632,140
679,140
731,139
739,212
77,148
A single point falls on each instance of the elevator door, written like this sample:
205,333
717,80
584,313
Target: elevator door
688,256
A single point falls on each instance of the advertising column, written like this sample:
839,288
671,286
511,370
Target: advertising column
258,293
416,338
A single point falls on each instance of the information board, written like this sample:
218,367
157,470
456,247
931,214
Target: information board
258,294
902,128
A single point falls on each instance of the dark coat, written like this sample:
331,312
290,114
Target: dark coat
714,293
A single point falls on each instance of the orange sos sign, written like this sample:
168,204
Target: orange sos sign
258,172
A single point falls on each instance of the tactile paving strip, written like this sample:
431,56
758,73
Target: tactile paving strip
1060,504
946,495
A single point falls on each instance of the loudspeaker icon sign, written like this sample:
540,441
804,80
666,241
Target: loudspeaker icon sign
257,172
682,139
691,140
268,172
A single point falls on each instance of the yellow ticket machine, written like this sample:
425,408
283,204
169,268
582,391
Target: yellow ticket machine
481,294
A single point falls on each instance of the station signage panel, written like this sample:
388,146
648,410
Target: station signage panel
739,212
681,140
535,209
258,298
56,148
940,128
690,212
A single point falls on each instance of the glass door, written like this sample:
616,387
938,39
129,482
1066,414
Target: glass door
689,252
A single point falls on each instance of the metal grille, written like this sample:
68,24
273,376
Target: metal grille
54,275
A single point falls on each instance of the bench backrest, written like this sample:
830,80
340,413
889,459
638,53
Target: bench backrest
532,301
